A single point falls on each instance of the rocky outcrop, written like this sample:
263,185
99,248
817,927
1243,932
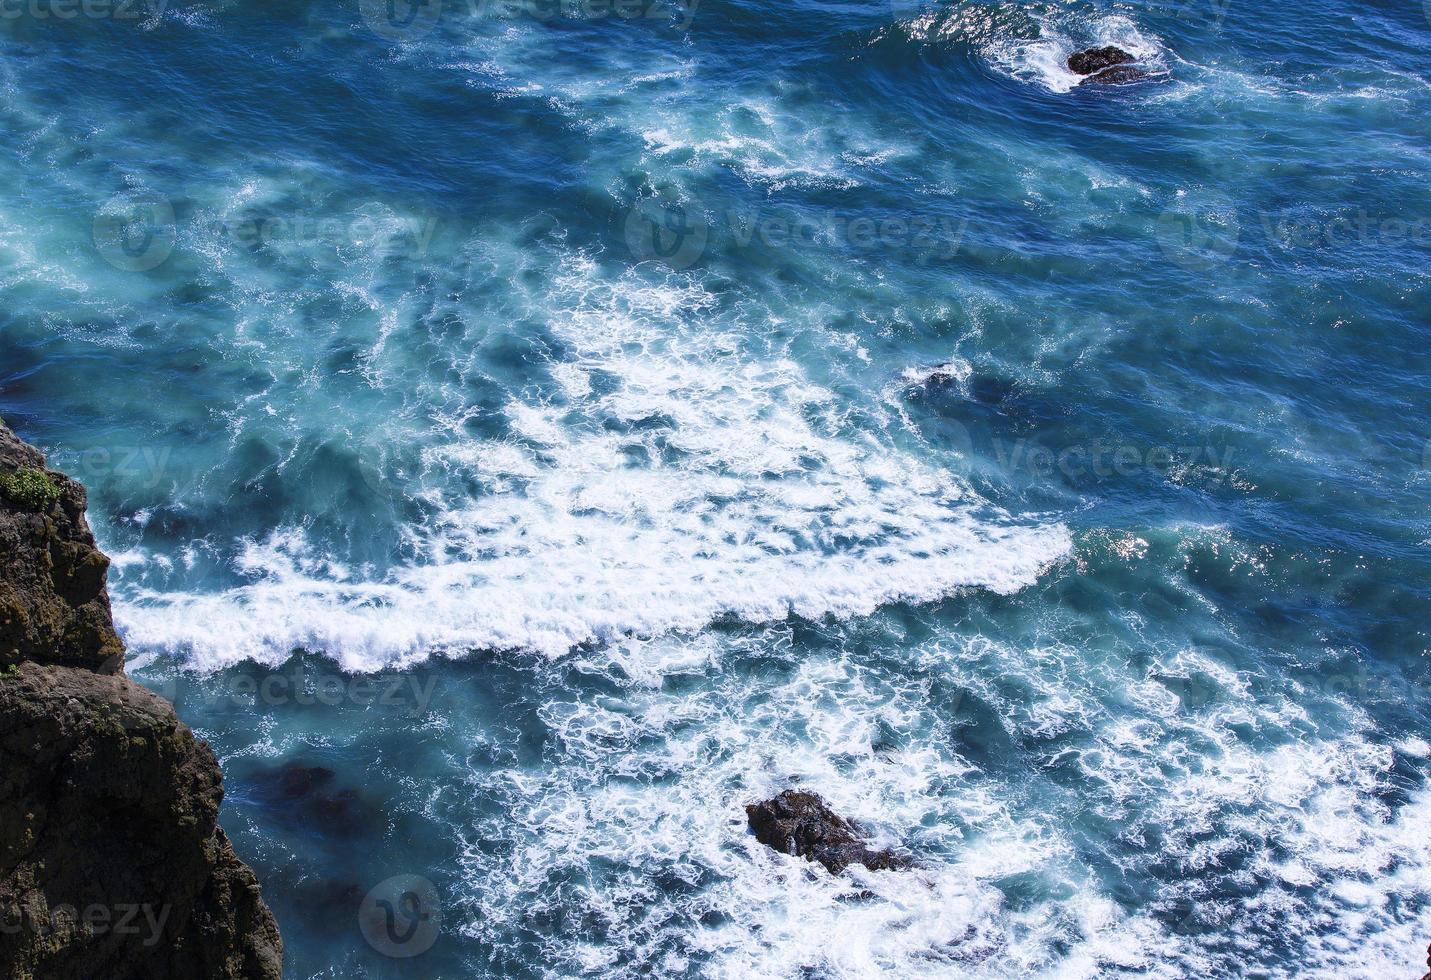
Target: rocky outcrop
1106,66
1119,75
112,863
53,604
803,825
1096,59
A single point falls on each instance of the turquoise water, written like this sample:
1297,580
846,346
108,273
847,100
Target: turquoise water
526,433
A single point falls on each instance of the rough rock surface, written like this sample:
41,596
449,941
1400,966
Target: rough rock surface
803,825
112,863
53,604
1097,59
1107,66
1120,75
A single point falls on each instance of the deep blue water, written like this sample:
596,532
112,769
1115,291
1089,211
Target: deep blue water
528,432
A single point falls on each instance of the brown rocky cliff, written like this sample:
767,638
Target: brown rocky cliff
112,863
53,605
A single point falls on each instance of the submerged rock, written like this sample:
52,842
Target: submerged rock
295,781
308,796
802,824
954,372
1096,59
112,863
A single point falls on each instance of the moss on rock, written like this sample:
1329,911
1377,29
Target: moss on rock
30,488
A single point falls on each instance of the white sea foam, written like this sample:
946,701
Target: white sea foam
1044,60
750,130
649,787
654,786
665,468
766,146
712,478
958,371
22,263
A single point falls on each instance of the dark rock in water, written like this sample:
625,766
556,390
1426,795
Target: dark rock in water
990,390
343,895
1121,75
297,781
1097,59
337,901
801,824
112,863
942,375
1107,66
343,814
308,796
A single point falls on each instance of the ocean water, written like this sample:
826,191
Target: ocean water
526,432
